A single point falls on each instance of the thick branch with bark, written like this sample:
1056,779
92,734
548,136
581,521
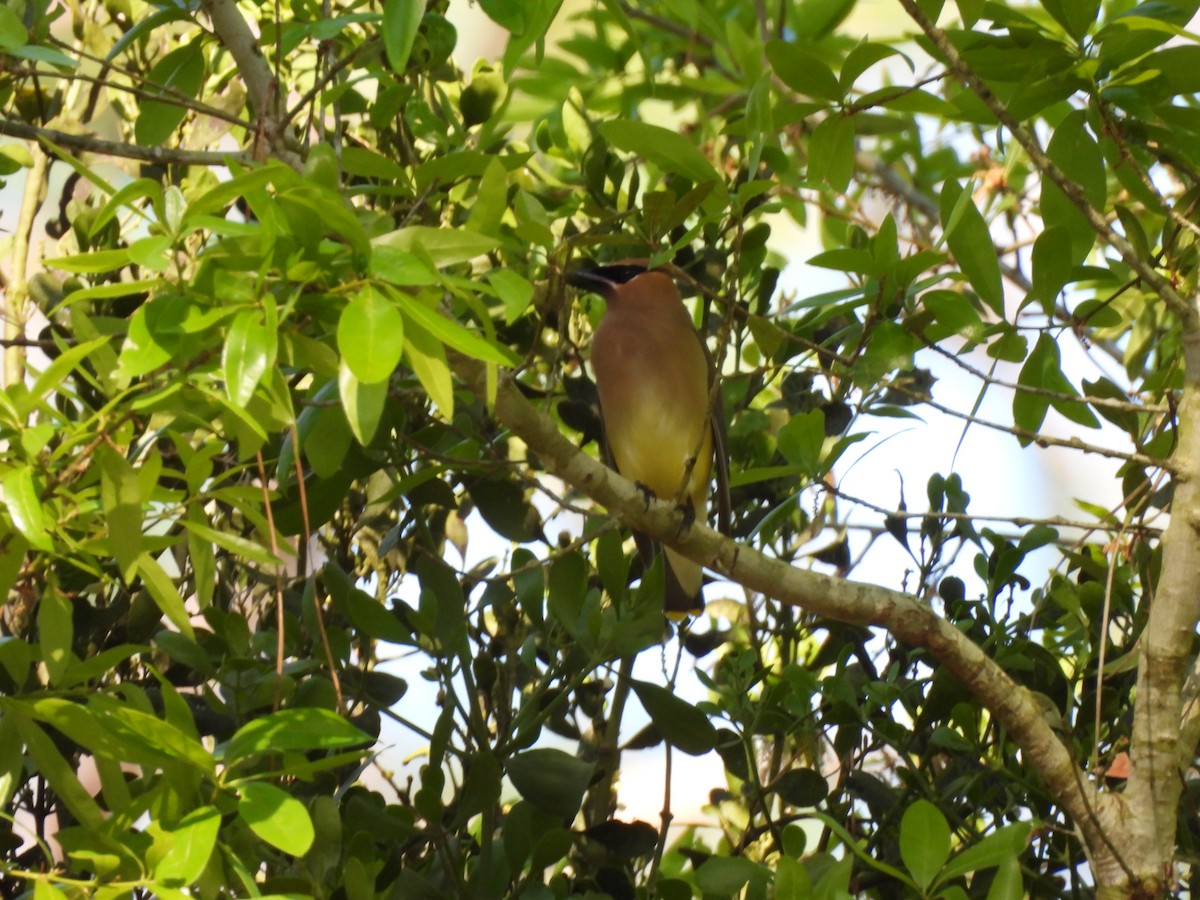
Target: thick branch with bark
262,90
906,617
1166,647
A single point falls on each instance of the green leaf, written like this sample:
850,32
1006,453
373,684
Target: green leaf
121,497
12,29
514,291
816,18
250,348
1008,884
293,729
56,631
791,880
276,816
362,403
1076,16
326,440
862,57
247,549
193,841
60,774
551,780
151,252
481,785
1002,844
369,164
455,335
48,55
445,246
16,656
370,336
803,72
12,765
427,356
970,240
180,72
924,842
1043,369
159,738
680,723
725,876
831,152
165,594
244,183
668,150
801,440
1076,153
25,508
52,377
374,619
152,336
93,263
567,591
1053,261
401,21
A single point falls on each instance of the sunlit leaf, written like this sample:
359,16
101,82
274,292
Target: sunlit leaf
371,336
276,816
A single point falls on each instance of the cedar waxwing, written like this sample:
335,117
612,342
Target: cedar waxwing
655,377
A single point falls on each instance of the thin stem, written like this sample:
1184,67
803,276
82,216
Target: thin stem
14,308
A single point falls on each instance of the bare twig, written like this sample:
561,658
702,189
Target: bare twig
86,143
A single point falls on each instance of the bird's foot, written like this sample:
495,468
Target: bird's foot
688,513
647,494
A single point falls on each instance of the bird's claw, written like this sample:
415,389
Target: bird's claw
647,494
688,516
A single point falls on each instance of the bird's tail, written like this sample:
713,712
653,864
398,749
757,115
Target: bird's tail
684,595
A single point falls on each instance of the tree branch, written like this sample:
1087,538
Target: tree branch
1166,643
86,143
903,615
263,91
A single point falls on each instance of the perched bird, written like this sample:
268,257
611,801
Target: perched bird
662,420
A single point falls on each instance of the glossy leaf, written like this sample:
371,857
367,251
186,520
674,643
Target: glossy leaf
250,348
292,729
427,356
1004,843
24,506
362,403
121,495
371,336
667,149
193,841
276,816
444,246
